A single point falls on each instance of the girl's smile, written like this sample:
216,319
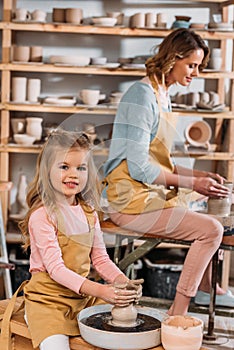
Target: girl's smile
69,174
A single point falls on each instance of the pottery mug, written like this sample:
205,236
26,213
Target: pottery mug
18,125
22,14
33,90
21,53
138,20
19,89
215,63
161,20
90,97
150,20
35,53
58,15
39,15
73,15
118,15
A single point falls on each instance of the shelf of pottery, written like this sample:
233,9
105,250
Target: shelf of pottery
28,108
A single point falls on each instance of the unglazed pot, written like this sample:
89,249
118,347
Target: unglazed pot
221,206
182,333
124,316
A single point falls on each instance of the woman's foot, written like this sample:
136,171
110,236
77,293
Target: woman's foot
225,299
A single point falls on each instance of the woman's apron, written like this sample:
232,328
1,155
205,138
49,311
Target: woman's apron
129,196
50,307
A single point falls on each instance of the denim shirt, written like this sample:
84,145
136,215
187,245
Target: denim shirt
135,126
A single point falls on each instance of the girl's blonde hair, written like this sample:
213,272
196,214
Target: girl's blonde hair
41,192
179,44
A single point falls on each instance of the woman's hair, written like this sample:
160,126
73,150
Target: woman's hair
41,192
179,44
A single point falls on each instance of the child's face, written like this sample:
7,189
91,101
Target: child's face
69,174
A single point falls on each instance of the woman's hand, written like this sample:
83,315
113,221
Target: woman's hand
210,187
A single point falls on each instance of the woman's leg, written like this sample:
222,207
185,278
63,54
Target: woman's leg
57,341
178,223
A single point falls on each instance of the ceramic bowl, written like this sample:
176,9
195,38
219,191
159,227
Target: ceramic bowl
104,21
182,18
24,139
198,134
98,60
182,333
72,60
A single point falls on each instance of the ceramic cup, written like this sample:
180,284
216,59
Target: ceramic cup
90,97
204,97
193,98
118,15
73,15
33,90
35,54
58,15
21,53
22,14
215,63
19,85
39,15
150,20
161,20
18,125
214,98
138,20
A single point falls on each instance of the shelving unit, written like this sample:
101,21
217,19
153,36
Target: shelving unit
8,69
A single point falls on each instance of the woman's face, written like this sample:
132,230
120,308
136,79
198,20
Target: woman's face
69,174
185,69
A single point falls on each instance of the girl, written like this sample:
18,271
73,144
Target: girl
63,232
146,191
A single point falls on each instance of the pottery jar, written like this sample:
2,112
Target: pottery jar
33,90
182,333
19,85
21,53
36,54
34,127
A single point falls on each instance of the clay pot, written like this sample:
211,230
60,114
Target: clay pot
124,316
182,333
34,127
221,206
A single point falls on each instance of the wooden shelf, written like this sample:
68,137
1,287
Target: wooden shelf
13,148
58,109
51,68
119,31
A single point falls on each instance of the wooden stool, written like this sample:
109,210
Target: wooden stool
21,339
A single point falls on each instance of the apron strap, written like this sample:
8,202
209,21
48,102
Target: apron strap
5,336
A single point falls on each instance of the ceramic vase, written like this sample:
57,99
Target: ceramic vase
21,193
124,316
34,127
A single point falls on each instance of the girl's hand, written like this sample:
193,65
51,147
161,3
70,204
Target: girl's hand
210,187
216,177
118,294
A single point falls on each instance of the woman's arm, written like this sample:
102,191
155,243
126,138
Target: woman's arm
206,185
198,173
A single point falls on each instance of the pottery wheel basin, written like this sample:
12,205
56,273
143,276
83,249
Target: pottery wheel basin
115,340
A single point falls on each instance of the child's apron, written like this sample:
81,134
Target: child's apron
130,196
50,307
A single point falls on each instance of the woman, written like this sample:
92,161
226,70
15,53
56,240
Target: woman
145,190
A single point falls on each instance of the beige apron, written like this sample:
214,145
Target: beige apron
50,307
129,196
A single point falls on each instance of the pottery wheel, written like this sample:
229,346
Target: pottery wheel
114,338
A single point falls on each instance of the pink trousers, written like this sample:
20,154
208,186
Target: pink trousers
178,223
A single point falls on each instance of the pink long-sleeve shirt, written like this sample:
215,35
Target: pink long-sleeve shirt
46,253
